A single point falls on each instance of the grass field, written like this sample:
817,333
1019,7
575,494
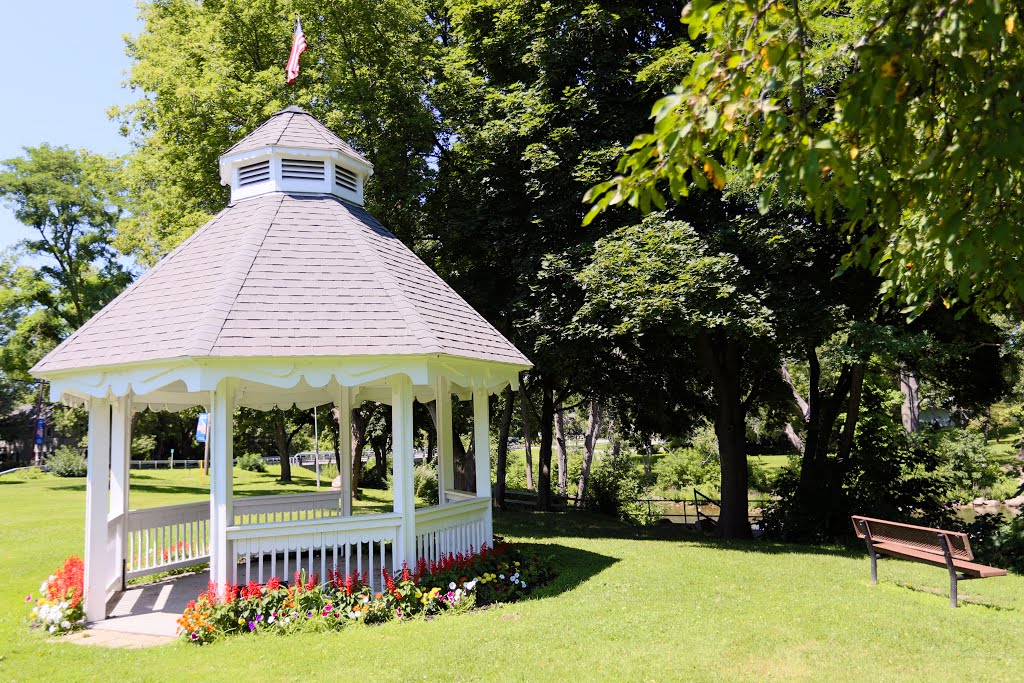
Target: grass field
629,604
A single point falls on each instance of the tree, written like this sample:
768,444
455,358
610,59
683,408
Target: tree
533,99
213,71
662,277
73,200
871,108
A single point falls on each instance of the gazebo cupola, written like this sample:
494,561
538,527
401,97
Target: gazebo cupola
293,152
293,294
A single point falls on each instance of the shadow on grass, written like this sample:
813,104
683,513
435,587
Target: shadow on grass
575,524
573,566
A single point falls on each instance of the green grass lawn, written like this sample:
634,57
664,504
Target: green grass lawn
629,604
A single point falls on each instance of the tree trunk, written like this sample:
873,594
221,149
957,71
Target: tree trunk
501,454
563,456
547,423
524,404
852,413
360,421
721,357
281,443
589,448
911,409
647,456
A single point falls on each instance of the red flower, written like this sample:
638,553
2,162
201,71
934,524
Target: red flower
273,584
251,590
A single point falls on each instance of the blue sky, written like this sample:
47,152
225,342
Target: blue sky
65,62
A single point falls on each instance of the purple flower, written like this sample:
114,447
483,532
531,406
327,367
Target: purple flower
259,618
309,614
194,636
252,626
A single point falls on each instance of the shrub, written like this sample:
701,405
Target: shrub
685,467
613,488
370,477
998,542
424,483
67,462
328,472
965,460
251,462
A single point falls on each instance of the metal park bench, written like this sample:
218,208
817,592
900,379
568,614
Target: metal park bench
949,549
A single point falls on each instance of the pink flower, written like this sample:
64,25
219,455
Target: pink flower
28,598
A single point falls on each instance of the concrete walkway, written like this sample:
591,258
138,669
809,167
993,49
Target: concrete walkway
152,609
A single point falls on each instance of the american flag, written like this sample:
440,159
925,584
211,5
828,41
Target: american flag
298,47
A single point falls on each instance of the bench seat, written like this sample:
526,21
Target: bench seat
978,571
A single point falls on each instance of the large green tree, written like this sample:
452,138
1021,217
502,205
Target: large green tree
536,99
209,73
906,115
57,279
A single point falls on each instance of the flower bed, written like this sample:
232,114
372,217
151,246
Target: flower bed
501,574
58,608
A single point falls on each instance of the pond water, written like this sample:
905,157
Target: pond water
969,512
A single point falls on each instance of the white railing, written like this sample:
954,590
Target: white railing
286,508
165,538
458,527
175,536
346,544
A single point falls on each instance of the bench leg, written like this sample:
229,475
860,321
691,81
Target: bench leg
947,551
871,552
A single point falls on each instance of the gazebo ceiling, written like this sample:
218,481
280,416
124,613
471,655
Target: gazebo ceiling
294,292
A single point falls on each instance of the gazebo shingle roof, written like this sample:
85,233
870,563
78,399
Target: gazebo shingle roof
294,127
288,276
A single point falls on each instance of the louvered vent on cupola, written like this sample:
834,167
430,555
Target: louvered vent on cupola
302,169
345,178
254,173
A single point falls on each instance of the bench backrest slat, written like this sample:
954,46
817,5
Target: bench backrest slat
920,538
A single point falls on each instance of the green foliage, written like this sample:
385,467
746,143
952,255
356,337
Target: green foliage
67,462
889,475
209,73
424,482
251,462
72,200
865,110
328,473
967,463
998,542
685,467
613,487
143,446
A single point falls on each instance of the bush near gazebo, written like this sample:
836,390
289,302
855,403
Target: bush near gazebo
455,583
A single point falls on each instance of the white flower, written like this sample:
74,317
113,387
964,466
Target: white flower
42,587
65,624
501,576
53,628
451,586
523,584
271,620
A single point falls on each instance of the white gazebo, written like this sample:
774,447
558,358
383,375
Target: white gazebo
293,294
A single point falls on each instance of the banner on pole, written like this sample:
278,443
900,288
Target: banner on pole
40,430
202,427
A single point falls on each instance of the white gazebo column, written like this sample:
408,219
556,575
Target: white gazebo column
402,466
445,445
482,454
97,556
345,442
221,479
120,455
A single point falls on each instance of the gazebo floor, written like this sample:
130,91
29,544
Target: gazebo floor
152,608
